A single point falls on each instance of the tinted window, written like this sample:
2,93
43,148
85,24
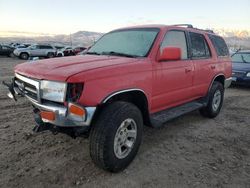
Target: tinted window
199,47
34,47
45,47
176,39
219,45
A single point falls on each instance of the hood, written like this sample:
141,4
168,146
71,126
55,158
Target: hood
241,67
60,69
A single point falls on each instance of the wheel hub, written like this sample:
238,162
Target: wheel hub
216,100
125,138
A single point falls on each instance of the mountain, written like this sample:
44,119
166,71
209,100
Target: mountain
234,38
80,38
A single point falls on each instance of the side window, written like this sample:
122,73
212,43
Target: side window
176,39
219,45
199,47
42,47
34,47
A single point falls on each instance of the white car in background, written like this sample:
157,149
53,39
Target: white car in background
37,50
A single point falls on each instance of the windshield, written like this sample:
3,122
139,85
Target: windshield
241,58
130,43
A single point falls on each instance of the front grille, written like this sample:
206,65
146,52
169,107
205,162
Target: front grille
27,86
238,74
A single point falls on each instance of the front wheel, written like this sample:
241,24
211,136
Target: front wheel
24,56
116,136
215,101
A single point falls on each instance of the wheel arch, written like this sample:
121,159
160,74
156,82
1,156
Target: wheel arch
220,78
135,96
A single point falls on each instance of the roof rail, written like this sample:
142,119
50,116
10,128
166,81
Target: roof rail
191,26
209,30
184,25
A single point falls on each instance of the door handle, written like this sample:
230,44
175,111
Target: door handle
213,67
188,70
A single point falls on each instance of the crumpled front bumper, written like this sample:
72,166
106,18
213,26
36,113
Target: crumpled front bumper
62,116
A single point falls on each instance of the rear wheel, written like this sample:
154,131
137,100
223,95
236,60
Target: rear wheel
24,56
215,101
116,136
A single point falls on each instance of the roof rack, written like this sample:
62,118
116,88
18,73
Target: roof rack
184,25
191,26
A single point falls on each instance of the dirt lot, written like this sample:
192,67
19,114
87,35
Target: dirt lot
190,151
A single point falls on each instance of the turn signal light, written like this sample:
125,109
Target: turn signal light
47,115
76,110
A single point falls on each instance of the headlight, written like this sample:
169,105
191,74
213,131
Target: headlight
248,74
54,91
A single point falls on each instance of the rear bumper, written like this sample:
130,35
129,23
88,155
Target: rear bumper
228,82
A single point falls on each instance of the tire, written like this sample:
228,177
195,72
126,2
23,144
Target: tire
107,131
50,55
59,55
215,101
24,56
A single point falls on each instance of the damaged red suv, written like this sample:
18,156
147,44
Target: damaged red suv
131,77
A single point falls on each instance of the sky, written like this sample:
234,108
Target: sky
69,16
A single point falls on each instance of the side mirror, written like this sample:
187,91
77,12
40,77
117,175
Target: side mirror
170,54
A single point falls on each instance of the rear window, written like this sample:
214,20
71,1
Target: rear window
219,45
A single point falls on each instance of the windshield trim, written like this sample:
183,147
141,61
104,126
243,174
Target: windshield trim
136,29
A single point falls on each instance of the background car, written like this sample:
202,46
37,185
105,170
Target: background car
6,50
241,67
38,50
66,51
25,45
78,49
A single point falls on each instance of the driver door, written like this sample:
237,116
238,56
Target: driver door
173,80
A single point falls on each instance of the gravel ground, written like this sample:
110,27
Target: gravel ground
190,151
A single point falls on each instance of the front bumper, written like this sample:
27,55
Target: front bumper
241,81
30,88
62,117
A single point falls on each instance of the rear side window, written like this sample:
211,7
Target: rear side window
219,45
176,39
45,47
199,47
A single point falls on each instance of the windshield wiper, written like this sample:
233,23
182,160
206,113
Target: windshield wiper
243,59
93,53
118,54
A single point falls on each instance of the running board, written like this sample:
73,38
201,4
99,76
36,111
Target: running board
159,118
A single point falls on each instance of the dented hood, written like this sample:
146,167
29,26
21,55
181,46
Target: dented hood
60,69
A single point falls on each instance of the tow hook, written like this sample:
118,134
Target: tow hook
10,87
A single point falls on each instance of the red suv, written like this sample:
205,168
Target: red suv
131,77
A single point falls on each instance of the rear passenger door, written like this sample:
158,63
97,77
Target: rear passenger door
203,63
34,51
